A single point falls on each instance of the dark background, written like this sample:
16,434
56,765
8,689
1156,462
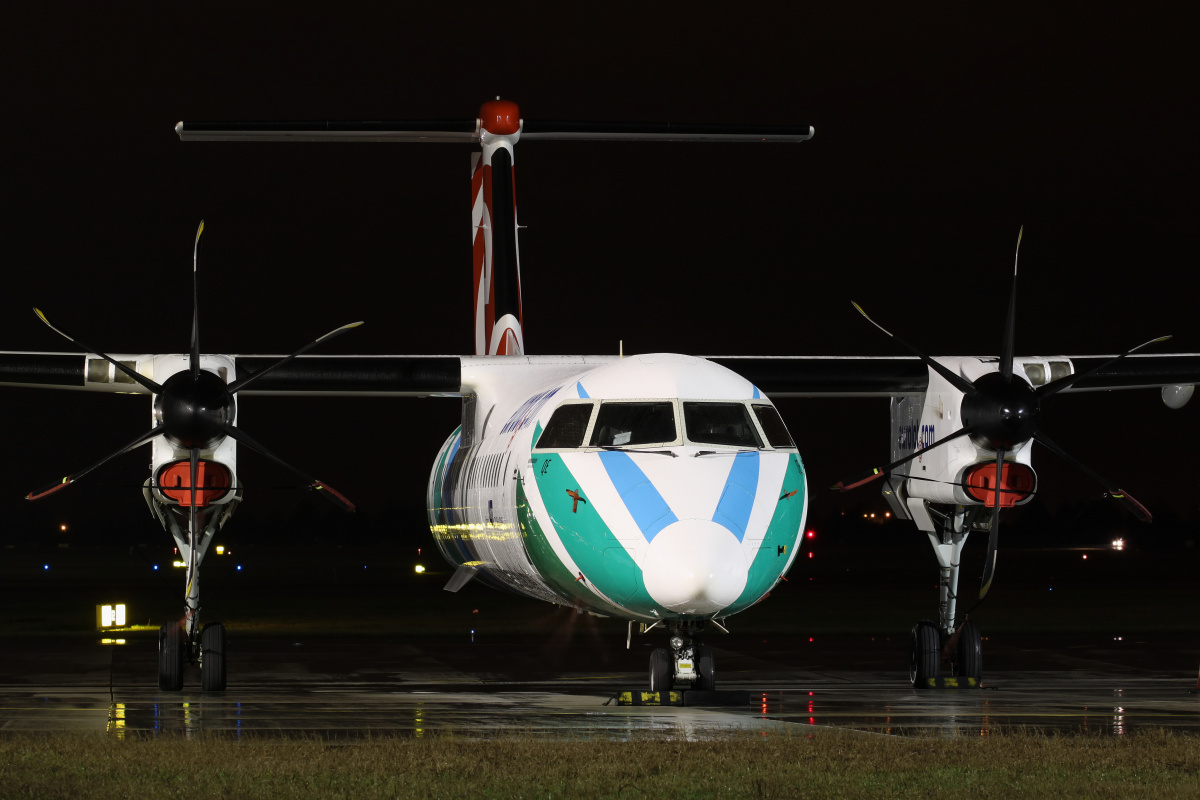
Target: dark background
939,131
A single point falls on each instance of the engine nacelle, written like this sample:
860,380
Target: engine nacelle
959,472
169,465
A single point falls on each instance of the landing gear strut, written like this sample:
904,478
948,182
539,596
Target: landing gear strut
948,648
185,642
686,664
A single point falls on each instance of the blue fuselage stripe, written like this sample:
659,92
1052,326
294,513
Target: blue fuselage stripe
737,499
645,504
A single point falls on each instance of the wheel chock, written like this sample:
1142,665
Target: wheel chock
684,697
640,698
950,682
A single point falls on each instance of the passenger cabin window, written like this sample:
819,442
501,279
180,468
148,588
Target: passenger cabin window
772,425
720,423
632,424
566,427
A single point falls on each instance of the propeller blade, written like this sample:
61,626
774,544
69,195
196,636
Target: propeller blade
879,472
193,456
1010,325
242,383
955,380
1114,491
989,563
194,351
136,376
68,480
334,496
1069,380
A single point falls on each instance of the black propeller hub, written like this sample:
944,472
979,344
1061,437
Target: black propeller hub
1002,412
194,411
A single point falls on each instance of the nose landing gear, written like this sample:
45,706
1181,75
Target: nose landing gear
686,664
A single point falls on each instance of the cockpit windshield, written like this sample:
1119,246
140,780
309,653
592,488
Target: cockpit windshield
720,423
587,424
566,427
629,424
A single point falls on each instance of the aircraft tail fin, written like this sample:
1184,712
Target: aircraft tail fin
498,318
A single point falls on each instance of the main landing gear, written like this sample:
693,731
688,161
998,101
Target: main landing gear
948,652
177,649
686,664
185,642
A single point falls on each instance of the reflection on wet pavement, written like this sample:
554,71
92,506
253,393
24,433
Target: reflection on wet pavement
355,688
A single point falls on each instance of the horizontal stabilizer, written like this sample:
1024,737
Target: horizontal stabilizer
461,577
663,132
438,130
468,131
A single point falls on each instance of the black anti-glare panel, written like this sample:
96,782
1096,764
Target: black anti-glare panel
382,374
1138,370
45,369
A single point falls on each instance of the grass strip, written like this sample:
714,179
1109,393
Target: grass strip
824,764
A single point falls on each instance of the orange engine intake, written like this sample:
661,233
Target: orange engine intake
1017,482
213,480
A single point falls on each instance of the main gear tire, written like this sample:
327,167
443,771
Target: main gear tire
926,656
968,653
212,657
171,650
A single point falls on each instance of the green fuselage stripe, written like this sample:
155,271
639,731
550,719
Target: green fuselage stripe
601,557
784,531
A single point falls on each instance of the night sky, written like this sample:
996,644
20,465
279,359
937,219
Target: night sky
938,134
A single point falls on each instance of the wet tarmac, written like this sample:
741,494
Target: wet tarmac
351,687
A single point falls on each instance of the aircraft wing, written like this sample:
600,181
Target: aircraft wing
851,376
447,375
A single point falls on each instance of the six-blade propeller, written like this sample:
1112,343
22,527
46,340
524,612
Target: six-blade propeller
1000,413
194,408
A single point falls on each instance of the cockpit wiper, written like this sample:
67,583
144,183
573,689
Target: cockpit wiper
638,450
699,453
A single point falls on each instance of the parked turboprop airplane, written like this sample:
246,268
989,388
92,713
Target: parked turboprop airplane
660,489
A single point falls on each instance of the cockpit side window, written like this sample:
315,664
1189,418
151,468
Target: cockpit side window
566,427
631,424
772,425
720,423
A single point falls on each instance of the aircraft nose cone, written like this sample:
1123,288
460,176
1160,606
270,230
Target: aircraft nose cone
694,566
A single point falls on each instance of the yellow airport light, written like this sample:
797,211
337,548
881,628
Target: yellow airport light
178,563
110,616
220,549
420,569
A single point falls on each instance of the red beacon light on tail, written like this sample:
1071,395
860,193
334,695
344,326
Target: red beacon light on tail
501,117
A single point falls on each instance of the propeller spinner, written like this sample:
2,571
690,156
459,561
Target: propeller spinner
1000,412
